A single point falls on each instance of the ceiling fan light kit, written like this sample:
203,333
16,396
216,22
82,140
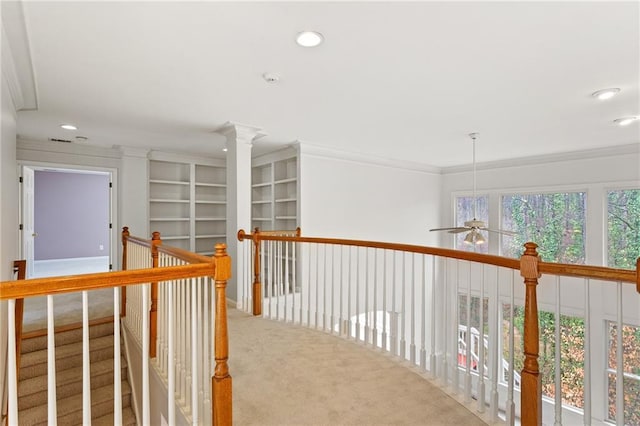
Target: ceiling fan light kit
474,226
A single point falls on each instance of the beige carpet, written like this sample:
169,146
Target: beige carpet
290,375
67,309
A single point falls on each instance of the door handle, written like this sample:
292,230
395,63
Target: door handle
35,234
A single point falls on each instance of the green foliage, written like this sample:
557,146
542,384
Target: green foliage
623,228
556,222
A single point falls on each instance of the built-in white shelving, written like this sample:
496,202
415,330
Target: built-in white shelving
274,192
188,203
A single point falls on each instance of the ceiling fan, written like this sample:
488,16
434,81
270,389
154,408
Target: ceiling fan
474,226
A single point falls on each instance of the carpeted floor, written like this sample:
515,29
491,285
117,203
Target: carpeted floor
290,375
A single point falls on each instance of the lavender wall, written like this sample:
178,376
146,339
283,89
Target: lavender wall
71,215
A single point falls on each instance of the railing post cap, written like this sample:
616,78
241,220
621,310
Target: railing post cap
155,235
530,249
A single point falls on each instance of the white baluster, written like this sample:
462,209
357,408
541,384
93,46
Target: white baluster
317,287
349,281
412,347
171,379
333,317
86,374
445,311
481,363
495,355
385,313
286,278
145,355
432,348
423,312
403,343
455,317
117,380
194,351
511,406
13,374
587,353
375,298
367,328
294,275
51,364
309,287
324,288
278,281
357,294
619,362
468,343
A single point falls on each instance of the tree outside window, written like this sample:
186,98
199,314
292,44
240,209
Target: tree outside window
555,221
465,212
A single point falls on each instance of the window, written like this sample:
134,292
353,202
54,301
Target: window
465,212
556,222
623,228
631,372
571,353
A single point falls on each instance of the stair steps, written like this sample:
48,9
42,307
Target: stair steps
32,386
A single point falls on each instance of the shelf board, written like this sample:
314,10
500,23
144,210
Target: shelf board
175,237
168,182
210,219
261,219
261,202
211,236
285,217
286,200
166,200
212,185
260,185
169,219
288,180
210,202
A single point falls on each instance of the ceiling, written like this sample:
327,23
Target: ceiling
404,81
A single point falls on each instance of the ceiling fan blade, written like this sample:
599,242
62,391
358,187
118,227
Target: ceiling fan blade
500,231
453,230
459,230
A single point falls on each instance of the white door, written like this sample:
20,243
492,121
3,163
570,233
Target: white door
28,231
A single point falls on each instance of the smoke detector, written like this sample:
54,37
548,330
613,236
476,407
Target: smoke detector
271,77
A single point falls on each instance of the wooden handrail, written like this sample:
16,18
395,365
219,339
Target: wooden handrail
69,284
184,255
563,269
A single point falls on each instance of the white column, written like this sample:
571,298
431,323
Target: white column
239,142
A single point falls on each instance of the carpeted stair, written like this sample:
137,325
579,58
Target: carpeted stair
32,387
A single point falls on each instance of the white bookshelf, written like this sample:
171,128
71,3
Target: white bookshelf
188,203
274,191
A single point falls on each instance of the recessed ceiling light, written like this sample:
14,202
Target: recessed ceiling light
625,121
606,93
224,149
309,38
68,127
271,77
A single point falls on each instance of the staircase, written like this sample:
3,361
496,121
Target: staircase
32,386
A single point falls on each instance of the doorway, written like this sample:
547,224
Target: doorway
66,230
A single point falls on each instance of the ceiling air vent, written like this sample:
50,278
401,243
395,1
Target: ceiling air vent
59,140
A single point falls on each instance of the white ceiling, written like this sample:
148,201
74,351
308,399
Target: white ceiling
405,81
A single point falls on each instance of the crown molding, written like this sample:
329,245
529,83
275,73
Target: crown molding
17,66
323,152
613,151
68,148
185,158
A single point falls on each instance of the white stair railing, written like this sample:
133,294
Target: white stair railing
430,297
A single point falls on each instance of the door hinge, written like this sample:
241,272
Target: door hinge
20,179
111,267
21,227
111,226
110,184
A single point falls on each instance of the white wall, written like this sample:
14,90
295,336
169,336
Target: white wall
367,199
8,212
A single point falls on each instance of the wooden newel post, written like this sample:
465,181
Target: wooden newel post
221,380
123,297
257,285
531,386
153,312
